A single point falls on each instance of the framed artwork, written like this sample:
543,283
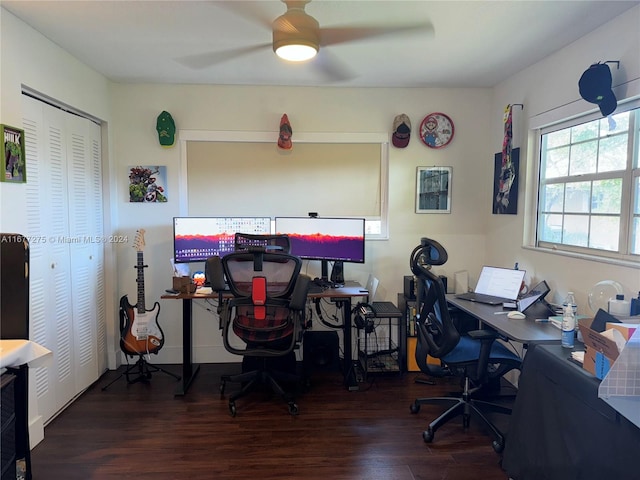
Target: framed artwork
433,189
505,183
14,159
147,184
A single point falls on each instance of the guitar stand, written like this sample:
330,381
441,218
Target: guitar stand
144,370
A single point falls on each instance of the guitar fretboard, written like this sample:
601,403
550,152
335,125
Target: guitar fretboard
140,280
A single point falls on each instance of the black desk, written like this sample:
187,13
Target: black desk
560,429
524,331
190,369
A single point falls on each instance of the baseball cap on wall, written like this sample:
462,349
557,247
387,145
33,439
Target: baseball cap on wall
401,131
595,87
166,128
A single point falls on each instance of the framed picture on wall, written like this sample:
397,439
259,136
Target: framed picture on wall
433,189
14,160
147,184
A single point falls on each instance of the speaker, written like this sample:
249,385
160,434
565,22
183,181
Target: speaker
409,287
320,352
337,272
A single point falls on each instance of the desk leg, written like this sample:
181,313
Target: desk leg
349,366
189,370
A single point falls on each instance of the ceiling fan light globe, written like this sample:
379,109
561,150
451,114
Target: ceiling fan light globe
296,52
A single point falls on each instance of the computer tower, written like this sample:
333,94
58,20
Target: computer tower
14,286
320,352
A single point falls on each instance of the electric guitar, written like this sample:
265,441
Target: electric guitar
140,332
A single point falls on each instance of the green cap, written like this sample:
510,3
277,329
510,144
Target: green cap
166,128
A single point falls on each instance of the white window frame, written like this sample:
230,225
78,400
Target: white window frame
625,259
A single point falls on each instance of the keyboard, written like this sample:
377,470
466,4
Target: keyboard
386,310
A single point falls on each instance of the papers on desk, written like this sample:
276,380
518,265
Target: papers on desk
204,291
14,353
578,357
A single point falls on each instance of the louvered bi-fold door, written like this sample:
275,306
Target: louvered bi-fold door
64,223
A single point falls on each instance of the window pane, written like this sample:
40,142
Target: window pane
586,131
635,236
576,230
620,124
604,233
578,195
556,163
584,157
552,198
550,228
636,196
612,154
559,138
607,196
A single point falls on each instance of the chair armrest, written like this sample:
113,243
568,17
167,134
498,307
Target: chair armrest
483,334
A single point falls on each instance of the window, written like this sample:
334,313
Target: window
589,190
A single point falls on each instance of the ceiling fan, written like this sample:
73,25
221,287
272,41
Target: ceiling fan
298,37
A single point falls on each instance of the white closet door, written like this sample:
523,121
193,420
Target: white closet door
67,259
85,247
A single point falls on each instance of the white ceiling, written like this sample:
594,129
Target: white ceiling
463,43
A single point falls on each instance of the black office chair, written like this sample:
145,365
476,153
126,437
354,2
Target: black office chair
266,312
474,356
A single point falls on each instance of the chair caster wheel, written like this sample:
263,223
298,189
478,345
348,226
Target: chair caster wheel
293,409
427,435
414,407
232,409
497,446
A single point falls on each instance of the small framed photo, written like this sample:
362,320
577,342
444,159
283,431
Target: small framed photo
14,160
433,189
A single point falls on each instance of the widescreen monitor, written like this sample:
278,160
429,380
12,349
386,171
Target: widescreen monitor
328,239
197,238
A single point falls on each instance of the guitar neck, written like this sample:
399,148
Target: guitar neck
140,280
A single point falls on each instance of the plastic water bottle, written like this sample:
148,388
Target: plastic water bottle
570,299
568,326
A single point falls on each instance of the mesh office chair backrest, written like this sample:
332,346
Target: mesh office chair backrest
436,331
269,296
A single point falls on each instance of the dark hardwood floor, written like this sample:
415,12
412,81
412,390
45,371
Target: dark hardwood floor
143,431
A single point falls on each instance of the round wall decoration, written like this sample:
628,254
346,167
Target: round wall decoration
436,130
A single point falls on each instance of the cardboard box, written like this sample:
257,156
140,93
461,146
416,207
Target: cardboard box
601,351
626,329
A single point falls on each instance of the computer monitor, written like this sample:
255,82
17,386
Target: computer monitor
197,238
325,239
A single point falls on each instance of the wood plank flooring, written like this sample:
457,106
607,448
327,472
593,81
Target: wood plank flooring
143,431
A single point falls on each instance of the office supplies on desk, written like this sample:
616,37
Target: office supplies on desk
495,286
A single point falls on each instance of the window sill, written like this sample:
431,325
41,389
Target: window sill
584,256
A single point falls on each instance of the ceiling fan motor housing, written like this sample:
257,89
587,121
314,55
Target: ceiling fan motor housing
296,27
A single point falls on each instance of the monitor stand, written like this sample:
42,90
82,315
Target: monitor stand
324,281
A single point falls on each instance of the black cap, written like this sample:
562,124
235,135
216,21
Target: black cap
595,87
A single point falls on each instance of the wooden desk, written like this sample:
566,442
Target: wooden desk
190,369
524,331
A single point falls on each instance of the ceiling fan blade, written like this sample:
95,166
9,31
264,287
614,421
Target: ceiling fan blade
332,68
248,10
334,36
208,59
